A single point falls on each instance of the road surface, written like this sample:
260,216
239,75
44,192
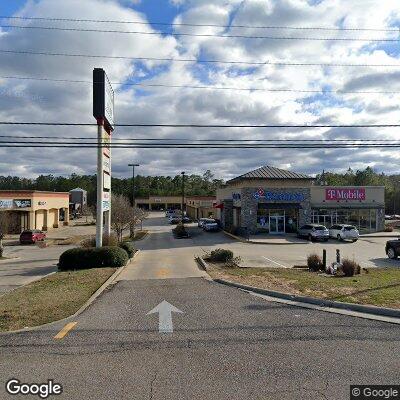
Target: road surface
227,344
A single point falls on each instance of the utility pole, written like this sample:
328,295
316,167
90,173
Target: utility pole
132,226
183,194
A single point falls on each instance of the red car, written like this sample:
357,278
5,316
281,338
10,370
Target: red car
32,236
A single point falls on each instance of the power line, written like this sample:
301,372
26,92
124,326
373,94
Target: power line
193,60
203,126
54,28
198,25
202,87
198,140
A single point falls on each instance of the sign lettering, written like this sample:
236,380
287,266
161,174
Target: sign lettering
345,194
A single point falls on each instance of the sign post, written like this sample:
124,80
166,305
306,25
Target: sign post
103,111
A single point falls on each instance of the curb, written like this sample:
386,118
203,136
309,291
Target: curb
380,236
372,310
257,242
203,265
91,300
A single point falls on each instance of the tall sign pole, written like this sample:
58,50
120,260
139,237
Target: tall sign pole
103,111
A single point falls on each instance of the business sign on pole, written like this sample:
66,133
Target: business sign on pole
106,165
103,97
106,181
345,194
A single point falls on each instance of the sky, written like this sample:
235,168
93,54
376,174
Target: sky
47,101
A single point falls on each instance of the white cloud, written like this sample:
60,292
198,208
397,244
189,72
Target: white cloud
72,102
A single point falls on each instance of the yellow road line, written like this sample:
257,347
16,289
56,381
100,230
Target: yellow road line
65,330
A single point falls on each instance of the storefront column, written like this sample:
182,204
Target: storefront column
56,218
32,220
66,216
45,219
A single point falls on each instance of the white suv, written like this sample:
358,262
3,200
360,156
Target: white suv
344,232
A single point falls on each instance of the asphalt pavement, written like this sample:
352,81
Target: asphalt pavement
226,343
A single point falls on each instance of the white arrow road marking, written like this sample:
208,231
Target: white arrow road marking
165,310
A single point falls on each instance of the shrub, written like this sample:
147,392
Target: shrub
85,258
180,230
221,255
389,228
350,267
129,248
314,263
108,240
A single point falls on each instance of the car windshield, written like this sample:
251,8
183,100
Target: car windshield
319,228
349,228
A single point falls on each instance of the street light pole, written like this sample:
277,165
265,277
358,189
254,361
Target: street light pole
132,232
183,194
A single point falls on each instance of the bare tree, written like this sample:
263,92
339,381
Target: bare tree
141,215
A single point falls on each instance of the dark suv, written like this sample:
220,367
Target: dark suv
393,248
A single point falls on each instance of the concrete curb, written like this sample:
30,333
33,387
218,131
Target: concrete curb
203,265
389,237
258,242
91,300
331,304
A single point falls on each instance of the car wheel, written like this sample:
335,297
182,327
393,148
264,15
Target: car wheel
355,240
310,238
325,240
391,253
339,238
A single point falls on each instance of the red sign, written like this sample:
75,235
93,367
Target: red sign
345,194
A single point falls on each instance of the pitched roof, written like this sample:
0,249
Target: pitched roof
267,172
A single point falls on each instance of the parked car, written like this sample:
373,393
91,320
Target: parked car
393,248
201,221
344,232
31,236
314,232
210,225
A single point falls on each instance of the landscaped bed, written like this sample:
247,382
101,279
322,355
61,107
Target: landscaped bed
50,299
379,287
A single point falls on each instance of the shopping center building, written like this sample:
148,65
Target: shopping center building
276,201
27,209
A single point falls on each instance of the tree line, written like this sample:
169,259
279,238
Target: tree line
195,185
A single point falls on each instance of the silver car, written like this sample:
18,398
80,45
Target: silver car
344,232
201,221
314,232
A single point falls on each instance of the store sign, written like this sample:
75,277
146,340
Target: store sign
106,165
345,194
6,203
106,205
106,181
103,97
42,203
236,196
23,203
294,197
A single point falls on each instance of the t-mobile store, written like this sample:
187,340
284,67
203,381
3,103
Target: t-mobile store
277,202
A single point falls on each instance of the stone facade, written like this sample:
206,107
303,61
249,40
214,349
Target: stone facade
227,215
278,196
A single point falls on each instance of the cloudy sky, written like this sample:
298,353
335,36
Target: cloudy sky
30,100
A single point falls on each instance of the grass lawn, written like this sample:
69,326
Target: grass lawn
380,286
50,299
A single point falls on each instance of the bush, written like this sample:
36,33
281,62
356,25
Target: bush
108,240
129,248
85,258
221,255
389,228
180,230
314,263
350,267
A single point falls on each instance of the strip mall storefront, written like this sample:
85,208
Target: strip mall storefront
279,206
26,209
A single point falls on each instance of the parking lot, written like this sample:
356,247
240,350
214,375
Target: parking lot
369,252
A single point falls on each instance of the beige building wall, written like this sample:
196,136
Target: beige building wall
374,196
44,210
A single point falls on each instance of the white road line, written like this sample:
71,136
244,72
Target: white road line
281,265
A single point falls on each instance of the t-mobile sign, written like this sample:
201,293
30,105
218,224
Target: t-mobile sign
344,194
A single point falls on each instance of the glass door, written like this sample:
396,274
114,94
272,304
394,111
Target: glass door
277,222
